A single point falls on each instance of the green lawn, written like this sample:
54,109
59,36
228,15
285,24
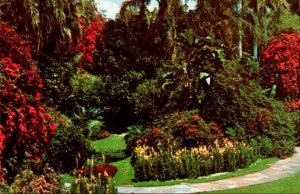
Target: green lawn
112,143
286,185
125,172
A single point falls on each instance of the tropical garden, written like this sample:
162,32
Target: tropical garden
167,94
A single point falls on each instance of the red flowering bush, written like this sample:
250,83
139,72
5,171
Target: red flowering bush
91,32
281,65
25,127
191,130
180,129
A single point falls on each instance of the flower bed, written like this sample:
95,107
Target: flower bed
190,163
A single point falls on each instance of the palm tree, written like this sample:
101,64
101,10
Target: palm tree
258,17
140,4
52,23
168,12
239,5
262,18
217,19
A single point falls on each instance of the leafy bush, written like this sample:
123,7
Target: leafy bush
274,130
88,91
91,122
146,98
294,107
56,76
69,148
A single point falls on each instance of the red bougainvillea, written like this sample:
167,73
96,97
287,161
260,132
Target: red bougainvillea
25,127
281,65
87,45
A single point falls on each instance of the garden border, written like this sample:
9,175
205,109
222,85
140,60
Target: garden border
280,169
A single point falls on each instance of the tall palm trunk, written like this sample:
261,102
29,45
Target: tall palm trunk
240,26
166,16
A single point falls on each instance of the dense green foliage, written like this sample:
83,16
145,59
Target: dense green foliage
69,149
172,76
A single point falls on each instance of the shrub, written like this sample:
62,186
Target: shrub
146,98
294,107
56,76
88,92
183,129
274,130
29,182
281,64
26,128
69,148
91,121
190,130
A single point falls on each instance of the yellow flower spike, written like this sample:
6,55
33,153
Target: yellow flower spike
92,161
103,159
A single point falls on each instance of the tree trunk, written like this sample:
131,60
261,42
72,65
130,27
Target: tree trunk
166,16
240,44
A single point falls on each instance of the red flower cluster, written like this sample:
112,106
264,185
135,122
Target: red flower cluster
104,134
260,121
281,65
87,45
99,170
25,127
292,106
109,169
195,127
